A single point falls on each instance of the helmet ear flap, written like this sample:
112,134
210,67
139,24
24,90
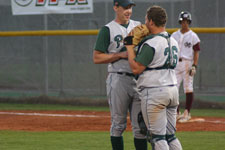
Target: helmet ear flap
189,21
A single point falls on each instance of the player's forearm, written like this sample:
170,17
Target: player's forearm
133,64
102,58
196,56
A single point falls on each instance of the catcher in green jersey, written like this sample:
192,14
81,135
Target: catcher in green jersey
155,62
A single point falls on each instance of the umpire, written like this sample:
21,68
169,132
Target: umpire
121,84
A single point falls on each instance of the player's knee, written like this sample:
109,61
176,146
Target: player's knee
117,129
156,138
138,134
173,142
157,141
189,90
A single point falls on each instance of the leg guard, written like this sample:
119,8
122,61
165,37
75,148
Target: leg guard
170,138
174,143
140,144
117,143
158,142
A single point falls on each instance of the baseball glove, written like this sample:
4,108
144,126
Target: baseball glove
141,123
192,71
136,35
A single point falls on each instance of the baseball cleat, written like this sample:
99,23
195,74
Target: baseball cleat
185,118
179,116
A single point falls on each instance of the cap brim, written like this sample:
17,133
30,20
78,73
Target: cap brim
127,4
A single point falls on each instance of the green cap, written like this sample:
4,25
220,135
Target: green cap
123,3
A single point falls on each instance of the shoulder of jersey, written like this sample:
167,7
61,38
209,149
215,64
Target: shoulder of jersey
112,22
193,32
175,32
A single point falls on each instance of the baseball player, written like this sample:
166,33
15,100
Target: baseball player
155,61
121,84
189,44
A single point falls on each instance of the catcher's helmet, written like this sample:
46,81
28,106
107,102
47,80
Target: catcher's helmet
184,15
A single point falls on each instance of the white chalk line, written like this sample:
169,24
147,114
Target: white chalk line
85,116
52,115
199,120
216,121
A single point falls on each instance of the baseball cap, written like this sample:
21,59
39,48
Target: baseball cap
123,3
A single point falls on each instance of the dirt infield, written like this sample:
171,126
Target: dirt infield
86,121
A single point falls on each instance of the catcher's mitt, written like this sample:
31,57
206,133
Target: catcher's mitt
136,35
141,123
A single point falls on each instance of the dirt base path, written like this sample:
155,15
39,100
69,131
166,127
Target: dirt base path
86,121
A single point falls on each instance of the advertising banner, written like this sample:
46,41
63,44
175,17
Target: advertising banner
32,7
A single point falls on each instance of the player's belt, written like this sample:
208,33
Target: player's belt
126,73
180,59
171,85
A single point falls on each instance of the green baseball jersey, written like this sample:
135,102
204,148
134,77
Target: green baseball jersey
146,55
110,40
159,59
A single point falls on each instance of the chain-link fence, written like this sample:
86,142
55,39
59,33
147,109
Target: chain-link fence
62,65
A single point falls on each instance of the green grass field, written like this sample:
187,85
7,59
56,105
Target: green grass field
19,140
23,140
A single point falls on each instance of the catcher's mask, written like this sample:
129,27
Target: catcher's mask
184,15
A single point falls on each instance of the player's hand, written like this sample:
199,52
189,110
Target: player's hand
123,55
130,47
192,71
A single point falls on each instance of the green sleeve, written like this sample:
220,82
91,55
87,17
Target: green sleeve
103,40
146,55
